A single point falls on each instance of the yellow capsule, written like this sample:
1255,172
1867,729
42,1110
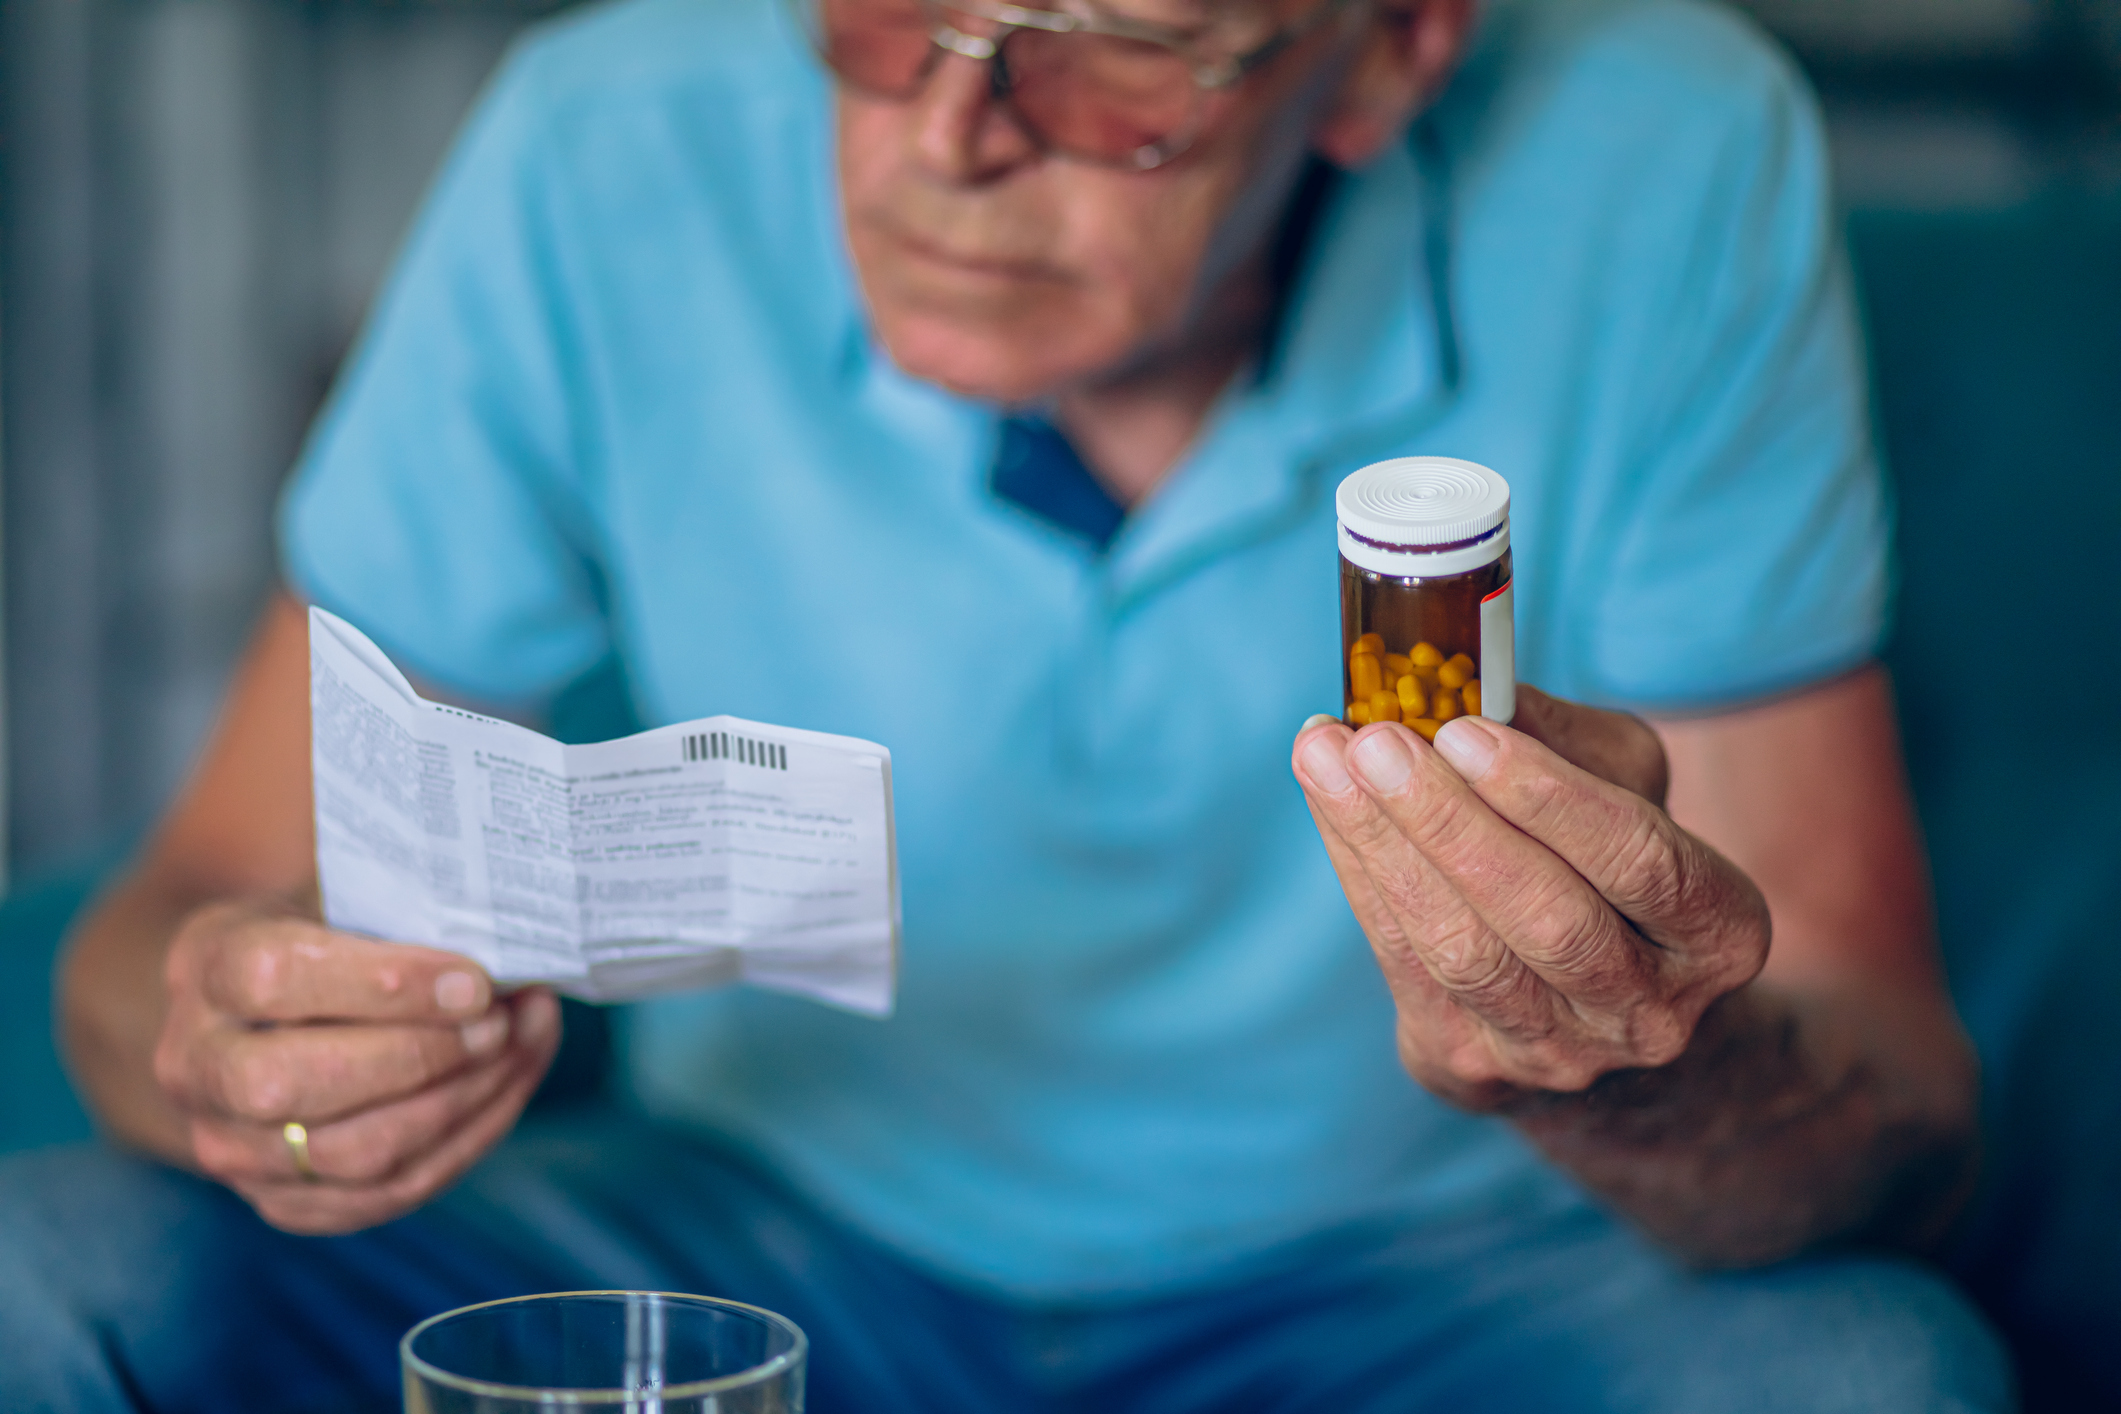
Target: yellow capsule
1358,714
1364,676
1371,643
1427,726
1384,707
1425,655
1457,672
1443,705
1426,676
1471,697
1413,702
1397,666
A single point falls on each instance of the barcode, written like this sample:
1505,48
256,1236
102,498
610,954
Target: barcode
722,746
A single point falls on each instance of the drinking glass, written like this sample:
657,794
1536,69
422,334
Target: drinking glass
640,1352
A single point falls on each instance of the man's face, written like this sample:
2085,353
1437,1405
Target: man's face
1001,271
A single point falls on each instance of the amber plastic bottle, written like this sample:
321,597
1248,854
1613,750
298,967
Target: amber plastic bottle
1426,632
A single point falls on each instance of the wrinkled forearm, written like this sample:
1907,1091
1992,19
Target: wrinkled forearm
1788,1123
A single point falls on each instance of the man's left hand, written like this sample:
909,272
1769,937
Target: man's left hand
1541,921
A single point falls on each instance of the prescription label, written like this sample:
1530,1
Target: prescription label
1498,655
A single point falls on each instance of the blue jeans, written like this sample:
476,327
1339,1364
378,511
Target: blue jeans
127,1286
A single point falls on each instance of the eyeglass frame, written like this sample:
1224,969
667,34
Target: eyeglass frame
1209,75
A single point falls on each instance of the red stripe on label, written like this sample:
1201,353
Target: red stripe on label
1498,593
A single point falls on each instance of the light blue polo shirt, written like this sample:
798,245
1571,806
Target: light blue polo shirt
618,398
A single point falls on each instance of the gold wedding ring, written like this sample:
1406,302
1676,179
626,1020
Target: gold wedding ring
297,1138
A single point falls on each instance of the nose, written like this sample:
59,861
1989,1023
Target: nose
962,133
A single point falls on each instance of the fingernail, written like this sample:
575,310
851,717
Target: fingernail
456,991
1384,761
486,1035
1316,719
1323,765
1469,744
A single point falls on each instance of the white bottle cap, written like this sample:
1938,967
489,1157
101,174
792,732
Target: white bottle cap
1423,516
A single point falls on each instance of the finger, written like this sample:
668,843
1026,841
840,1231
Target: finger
1678,892
1407,906
1530,898
1614,746
1476,1024
1442,1043
359,1150
372,1145
317,1073
1330,794
316,1208
288,969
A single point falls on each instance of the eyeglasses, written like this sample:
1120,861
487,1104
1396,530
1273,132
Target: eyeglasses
1096,87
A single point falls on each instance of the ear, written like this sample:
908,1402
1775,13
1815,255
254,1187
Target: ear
1405,58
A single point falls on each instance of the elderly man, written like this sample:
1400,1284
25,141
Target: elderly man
980,390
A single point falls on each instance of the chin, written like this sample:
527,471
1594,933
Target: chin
1003,366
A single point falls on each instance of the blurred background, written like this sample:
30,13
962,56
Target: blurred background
197,198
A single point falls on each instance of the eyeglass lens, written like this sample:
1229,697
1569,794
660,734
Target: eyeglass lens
1103,96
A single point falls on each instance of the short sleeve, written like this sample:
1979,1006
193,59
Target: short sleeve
438,503
1754,555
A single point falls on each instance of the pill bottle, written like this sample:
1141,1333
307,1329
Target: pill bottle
1426,632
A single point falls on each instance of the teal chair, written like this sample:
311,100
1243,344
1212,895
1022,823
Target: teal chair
1997,343
1997,340
37,1106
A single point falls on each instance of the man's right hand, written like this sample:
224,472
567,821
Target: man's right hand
401,1063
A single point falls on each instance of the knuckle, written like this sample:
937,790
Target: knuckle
180,962
255,1085
1389,941
390,1148
1649,770
1434,1063
1366,828
1563,1068
1573,1075
1753,932
201,944
1735,929
1654,869
1445,827
1474,967
1542,796
172,1070
446,1064
1566,937
1660,1036
259,973
390,977
1414,1046
1472,1068
1458,1062
1403,893
192,949
365,1164
1476,1077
